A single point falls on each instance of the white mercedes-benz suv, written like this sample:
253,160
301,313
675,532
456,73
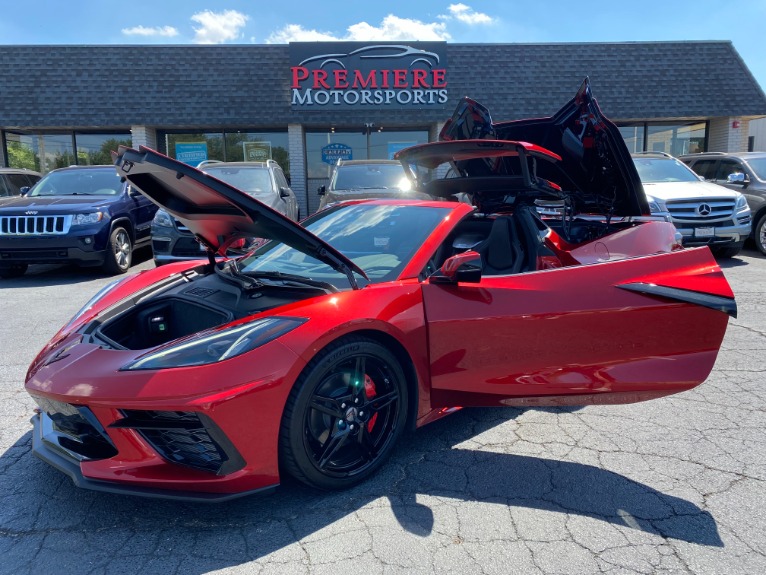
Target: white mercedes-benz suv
704,213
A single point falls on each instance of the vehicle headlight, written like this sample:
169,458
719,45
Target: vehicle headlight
84,219
214,345
162,219
741,203
655,205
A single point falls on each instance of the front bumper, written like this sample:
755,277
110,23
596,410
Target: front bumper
69,464
84,249
721,235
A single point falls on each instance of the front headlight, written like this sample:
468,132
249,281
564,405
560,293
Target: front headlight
85,219
655,205
741,203
214,345
162,219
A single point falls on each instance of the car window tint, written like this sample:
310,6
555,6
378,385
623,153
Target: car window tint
369,176
246,179
727,167
72,182
705,168
280,177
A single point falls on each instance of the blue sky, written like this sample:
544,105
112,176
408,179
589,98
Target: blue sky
243,22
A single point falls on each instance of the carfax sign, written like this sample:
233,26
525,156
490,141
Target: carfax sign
331,153
358,75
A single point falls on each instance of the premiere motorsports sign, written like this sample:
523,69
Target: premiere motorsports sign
358,75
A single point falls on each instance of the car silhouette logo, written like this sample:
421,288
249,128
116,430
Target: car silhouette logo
704,209
31,212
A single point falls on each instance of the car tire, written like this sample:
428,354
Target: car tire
119,251
14,271
759,234
728,251
344,415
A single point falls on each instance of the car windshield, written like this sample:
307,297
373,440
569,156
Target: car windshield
250,179
380,239
85,182
758,165
368,176
657,170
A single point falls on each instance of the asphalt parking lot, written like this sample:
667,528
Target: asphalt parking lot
676,485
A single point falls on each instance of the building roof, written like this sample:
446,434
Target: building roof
192,86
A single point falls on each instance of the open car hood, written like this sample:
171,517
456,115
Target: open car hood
215,212
593,167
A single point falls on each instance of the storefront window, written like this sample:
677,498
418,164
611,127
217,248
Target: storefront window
195,148
676,139
41,152
634,137
258,147
325,148
95,149
229,147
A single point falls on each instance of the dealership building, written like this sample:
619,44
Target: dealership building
307,105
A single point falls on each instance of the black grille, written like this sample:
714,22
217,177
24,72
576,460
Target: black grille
186,438
77,429
690,212
188,246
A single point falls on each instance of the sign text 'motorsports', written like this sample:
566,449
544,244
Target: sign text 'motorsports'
354,74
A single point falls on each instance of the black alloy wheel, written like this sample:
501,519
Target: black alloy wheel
759,234
119,251
344,415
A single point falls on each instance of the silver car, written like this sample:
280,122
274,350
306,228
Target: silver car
265,181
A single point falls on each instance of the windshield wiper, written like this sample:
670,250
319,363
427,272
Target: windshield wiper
290,278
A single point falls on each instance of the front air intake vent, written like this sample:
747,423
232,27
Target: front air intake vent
186,438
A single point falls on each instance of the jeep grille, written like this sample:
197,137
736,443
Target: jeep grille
34,225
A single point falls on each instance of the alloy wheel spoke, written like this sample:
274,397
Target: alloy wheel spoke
332,445
366,447
382,401
327,405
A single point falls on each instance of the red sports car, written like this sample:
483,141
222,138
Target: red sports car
312,354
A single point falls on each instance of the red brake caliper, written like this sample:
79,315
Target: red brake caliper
369,392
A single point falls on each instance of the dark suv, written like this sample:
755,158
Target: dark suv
14,180
81,214
744,172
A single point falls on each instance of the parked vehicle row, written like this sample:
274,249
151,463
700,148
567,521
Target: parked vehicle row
703,212
743,172
82,214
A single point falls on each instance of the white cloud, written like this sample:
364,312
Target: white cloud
167,31
297,33
467,15
391,28
218,27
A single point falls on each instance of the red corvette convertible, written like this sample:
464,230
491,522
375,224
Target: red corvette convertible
312,354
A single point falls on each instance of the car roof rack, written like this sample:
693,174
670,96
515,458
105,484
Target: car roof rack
650,153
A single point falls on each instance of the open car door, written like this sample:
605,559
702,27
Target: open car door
614,332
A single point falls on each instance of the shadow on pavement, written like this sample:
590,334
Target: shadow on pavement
62,274
46,520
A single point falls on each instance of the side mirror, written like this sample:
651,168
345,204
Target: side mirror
465,267
737,178
321,190
24,190
284,192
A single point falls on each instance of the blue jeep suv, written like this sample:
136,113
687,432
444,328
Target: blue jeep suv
81,214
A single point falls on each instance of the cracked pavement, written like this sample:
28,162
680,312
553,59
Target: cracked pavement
675,485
